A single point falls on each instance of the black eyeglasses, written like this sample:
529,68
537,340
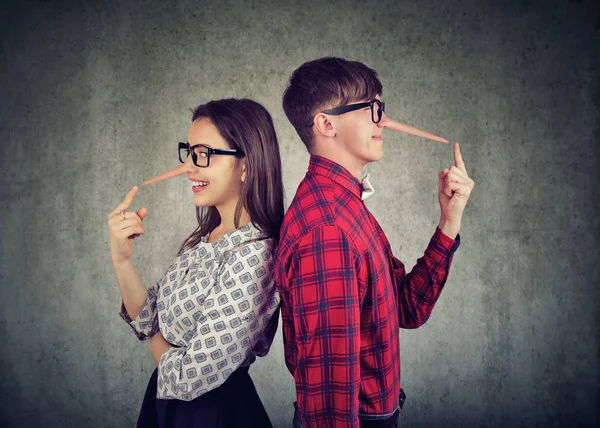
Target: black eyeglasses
201,153
376,115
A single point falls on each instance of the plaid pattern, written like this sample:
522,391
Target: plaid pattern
344,298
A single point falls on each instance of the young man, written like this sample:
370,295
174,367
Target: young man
344,295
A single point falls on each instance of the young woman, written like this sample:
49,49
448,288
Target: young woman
215,309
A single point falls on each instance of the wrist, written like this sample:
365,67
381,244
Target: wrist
121,264
450,228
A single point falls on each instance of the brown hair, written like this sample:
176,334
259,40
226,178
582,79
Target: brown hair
248,126
326,83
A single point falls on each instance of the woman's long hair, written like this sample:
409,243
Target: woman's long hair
248,126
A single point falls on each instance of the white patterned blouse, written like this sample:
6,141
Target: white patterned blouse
218,306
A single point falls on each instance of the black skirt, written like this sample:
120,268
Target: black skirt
233,404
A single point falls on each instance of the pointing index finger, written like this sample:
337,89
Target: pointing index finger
127,201
458,160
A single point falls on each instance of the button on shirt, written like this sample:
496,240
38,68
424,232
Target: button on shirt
345,297
217,304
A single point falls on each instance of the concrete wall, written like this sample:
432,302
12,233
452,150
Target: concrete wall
94,96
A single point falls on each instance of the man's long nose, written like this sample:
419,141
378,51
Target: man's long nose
388,123
179,170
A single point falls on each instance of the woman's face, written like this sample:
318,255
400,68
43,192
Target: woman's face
221,181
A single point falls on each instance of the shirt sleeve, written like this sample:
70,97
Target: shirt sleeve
326,317
237,321
418,291
145,325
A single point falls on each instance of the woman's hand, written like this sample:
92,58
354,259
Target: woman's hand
124,227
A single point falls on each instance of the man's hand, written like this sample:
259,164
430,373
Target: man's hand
455,187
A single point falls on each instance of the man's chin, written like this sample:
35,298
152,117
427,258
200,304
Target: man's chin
374,156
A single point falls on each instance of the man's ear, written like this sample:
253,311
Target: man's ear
323,126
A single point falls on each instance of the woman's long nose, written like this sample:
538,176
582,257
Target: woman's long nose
388,123
177,171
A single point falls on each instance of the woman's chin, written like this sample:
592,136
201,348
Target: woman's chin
200,202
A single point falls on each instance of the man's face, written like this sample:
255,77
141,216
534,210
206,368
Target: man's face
358,135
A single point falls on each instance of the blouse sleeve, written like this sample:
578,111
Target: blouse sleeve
145,325
236,324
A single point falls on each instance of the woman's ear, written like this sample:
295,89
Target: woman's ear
243,170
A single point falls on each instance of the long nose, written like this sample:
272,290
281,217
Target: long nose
180,170
388,123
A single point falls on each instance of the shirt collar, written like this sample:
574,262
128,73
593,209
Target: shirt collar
341,176
367,187
234,237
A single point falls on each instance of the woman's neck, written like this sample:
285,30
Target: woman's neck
228,222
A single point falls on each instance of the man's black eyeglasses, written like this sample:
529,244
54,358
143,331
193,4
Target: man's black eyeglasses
376,112
201,153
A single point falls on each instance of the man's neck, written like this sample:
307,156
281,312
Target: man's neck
340,157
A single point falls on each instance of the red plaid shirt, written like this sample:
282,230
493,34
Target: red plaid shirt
345,297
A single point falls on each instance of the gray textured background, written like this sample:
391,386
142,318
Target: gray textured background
95,94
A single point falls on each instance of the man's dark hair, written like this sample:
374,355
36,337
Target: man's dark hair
326,83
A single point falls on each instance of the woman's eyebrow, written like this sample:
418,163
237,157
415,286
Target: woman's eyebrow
203,144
